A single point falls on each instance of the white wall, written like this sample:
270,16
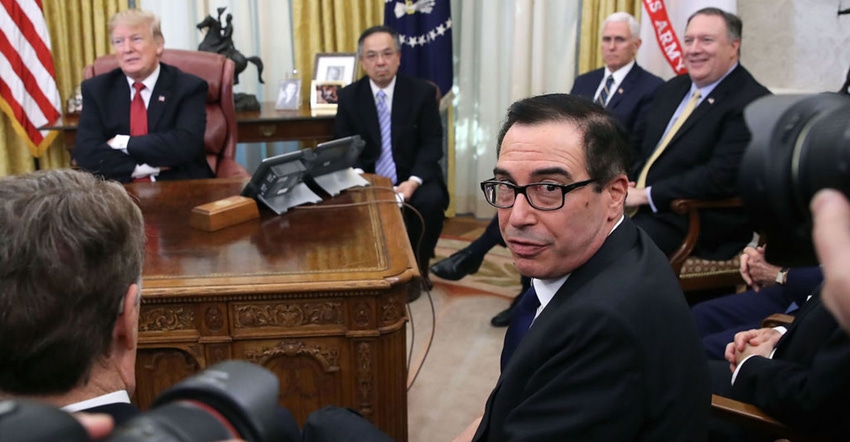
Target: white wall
796,45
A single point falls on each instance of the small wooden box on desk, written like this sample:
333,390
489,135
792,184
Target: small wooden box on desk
223,213
316,296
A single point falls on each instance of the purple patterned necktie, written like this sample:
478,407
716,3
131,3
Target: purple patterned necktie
385,165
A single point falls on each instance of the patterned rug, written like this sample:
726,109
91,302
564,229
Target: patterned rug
497,275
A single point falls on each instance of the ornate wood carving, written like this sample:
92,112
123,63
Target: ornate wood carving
362,314
288,314
364,377
391,310
214,318
166,319
328,358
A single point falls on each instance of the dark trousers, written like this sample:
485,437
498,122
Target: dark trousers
430,200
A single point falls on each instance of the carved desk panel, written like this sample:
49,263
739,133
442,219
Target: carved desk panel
317,296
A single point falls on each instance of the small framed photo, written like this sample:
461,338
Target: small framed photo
324,96
335,67
289,95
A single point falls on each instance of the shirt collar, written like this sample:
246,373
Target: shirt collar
388,91
619,74
119,396
149,82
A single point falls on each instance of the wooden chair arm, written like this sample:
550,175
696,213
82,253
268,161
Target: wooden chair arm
777,319
751,417
691,208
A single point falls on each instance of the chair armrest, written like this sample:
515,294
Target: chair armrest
776,320
691,208
746,415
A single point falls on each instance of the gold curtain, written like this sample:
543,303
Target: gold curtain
593,13
329,26
78,35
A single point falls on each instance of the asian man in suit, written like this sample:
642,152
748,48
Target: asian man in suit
407,144
692,139
144,121
603,347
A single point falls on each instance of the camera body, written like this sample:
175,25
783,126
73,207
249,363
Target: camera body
229,400
800,144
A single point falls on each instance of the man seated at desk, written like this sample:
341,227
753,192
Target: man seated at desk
398,118
146,120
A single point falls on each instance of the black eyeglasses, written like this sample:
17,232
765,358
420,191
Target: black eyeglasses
541,196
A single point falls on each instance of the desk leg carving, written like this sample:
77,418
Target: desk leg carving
365,378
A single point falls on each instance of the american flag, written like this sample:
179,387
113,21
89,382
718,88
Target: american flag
28,93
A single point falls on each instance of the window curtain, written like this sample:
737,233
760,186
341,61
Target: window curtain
321,26
504,50
593,13
78,35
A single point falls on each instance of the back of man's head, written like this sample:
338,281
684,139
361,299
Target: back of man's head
71,247
605,141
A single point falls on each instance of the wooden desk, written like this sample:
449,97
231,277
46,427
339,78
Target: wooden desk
268,124
317,296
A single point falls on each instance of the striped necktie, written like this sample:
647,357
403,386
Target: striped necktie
602,99
385,166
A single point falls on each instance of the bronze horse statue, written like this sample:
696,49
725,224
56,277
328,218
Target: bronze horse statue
220,41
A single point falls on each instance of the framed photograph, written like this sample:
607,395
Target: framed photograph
324,96
340,66
289,95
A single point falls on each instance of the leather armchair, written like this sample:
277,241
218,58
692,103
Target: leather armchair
697,273
217,71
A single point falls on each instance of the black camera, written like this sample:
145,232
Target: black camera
800,144
229,400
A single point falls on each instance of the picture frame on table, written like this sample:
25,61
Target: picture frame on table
324,96
289,94
340,66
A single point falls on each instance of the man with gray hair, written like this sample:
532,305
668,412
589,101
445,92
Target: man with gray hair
70,274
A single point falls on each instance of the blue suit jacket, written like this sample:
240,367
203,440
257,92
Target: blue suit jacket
177,120
632,97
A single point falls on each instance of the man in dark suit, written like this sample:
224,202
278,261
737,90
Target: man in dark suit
162,138
628,95
408,149
702,157
595,363
798,376
630,90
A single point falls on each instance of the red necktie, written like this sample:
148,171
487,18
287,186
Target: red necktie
138,112
139,120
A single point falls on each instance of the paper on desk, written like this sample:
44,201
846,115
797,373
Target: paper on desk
297,195
335,182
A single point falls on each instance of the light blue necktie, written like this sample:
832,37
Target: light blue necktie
385,165
606,90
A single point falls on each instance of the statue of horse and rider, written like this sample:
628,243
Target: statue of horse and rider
219,39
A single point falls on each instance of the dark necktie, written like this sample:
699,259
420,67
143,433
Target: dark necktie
606,90
138,112
520,323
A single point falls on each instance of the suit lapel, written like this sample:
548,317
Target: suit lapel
401,96
624,87
162,91
370,112
120,94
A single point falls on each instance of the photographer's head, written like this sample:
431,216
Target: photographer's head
559,182
70,264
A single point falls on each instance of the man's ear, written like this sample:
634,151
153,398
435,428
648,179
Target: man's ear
125,334
617,189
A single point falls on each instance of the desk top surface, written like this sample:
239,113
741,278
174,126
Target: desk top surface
354,241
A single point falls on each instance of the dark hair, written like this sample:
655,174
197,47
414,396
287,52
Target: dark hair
605,148
72,245
375,30
734,25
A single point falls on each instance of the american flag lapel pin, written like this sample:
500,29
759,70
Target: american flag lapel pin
161,99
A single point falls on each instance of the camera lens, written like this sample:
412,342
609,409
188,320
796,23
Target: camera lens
800,144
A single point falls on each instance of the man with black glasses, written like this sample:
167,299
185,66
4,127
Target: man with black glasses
602,347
